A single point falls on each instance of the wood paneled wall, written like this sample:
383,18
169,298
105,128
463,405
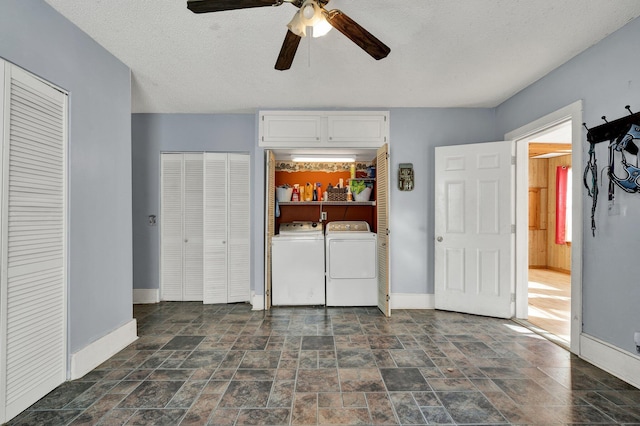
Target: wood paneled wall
543,250
538,211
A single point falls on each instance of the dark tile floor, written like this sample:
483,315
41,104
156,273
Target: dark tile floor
200,364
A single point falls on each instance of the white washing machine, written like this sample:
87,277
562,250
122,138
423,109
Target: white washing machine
351,264
297,265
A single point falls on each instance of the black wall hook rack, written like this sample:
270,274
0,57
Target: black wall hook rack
611,130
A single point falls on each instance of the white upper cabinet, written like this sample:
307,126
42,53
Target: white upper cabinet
362,129
322,129
277,129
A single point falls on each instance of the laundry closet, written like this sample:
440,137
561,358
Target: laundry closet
327,208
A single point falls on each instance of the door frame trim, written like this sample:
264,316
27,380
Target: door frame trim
571,112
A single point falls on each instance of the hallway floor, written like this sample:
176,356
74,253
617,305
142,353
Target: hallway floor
200,364
550,302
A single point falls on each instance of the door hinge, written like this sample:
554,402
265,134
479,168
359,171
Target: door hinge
513,160
388,231
513,229
513,297
388,298
268,293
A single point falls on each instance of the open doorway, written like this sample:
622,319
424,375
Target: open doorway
547,129
550,236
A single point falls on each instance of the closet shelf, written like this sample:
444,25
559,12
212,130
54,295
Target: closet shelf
327,203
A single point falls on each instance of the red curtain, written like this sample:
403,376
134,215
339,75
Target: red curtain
561,204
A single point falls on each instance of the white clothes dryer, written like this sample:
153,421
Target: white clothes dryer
351,264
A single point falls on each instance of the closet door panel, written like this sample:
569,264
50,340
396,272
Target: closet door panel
33,309
171,256
215,228
239,228
193,227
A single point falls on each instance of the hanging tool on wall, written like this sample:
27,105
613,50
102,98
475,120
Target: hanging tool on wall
591,176
630,183
620,134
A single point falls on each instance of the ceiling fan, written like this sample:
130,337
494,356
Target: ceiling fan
311,13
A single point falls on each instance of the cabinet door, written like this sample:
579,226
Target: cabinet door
171,223
292,130
239,254
355,130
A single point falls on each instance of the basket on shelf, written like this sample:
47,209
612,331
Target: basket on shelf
336,194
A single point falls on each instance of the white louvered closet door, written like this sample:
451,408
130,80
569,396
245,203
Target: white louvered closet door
171,223
215,228
239,228
33,307
193,227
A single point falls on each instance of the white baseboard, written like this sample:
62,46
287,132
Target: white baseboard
622,364
412,301
94,354
146,295
257,300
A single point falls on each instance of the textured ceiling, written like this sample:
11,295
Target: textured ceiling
444,53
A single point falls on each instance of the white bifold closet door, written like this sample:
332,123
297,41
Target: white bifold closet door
33,308
227,228
205,220
182,224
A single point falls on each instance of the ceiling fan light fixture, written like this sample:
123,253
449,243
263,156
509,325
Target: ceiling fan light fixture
297,27
322,26
308,11
310,15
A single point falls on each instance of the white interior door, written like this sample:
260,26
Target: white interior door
171,226
33,295
215,228
193,227
382,203
474,213
239,228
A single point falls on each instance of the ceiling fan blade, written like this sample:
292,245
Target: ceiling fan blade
288,51
204,6
363,38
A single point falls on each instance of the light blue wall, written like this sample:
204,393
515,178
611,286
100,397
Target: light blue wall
156,133
606,78
35,37
415,132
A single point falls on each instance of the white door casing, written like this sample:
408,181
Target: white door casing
474,256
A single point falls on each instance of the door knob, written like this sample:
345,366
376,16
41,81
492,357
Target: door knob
439,239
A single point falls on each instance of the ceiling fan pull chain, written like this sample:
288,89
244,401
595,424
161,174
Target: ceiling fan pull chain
309,53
